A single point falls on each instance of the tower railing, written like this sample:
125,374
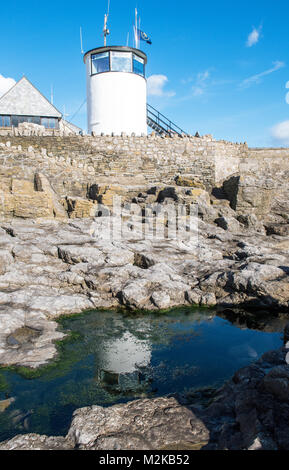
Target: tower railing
161,124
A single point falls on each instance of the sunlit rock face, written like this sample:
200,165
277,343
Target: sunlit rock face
50,268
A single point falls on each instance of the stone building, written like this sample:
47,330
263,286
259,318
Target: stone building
24,109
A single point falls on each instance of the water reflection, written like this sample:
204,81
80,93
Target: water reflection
117,357
121,360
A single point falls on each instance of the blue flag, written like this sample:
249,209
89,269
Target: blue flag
143,36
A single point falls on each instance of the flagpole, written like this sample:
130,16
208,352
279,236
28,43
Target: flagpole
136,31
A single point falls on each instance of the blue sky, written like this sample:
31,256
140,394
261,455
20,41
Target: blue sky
214,67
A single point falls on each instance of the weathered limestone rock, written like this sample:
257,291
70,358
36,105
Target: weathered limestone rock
80,208
270,283
4,404
251,222
5,260
189,181
161,300
42,184
278,229
27,350
157,424
136,294
107,194
257,194
36,442
33,205
254,406
228,223
30,199
51,268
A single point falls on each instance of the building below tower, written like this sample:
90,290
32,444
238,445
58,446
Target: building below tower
24,105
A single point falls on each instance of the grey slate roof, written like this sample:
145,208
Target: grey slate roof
23,99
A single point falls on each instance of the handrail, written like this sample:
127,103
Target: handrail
161,123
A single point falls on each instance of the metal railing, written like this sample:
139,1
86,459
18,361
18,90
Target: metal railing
161,124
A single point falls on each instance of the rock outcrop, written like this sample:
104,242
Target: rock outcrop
64,249
54,268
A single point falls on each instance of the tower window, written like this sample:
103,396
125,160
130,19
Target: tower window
138,65
121,61
100,63
5,121
117,61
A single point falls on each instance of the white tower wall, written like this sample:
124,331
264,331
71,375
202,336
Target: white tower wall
116,102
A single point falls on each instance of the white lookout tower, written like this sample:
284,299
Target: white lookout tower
116,89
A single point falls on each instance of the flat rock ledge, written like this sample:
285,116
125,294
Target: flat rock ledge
249,412
51,268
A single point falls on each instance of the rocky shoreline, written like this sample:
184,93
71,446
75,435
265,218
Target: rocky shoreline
56,259
52,268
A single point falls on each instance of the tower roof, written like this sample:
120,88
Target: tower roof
23,99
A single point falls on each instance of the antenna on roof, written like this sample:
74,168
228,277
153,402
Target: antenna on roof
64,112
105,29
81,44
51,94
136,30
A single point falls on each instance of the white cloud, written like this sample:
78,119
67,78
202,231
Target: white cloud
257,78
253,37
156,85
201,84
198,91
287,94
203,76
280,132
5,84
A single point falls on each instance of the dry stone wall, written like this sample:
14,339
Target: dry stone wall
255,180
132,160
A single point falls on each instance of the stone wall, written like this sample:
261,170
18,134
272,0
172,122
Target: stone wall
132,160
28,129
255,180
264,152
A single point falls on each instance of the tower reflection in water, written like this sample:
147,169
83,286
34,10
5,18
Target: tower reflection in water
124,362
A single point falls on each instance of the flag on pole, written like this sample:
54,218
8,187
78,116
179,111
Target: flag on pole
143,36
139,35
